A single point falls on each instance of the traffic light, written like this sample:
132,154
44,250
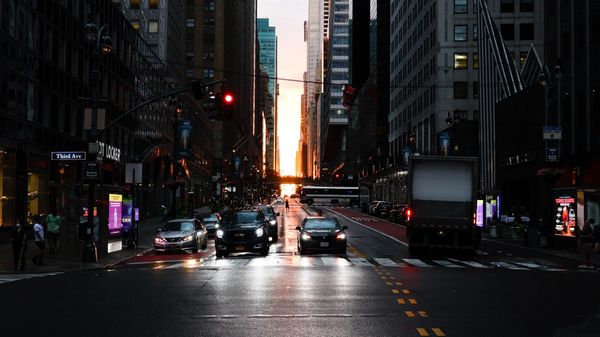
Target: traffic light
198,90
227,105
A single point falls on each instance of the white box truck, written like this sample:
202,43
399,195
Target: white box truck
442,203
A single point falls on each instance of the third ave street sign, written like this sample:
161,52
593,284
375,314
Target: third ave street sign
69,155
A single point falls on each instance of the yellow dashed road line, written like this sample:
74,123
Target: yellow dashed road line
409,313
423,313
438,332
405,291
422,332
395,291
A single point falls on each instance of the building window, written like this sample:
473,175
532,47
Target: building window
461,90
153,26
476,89
189,72
522,58
209,22
526,6
189,55
507,30
461,60
475,61
209,6
507,6
461,32
209,56
153,4
526,31
135,24
475,6
134,4
189,22
209,73
475,32
460,6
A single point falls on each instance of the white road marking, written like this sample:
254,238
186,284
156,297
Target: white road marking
388,262
471,264
360,262
448,264
417,263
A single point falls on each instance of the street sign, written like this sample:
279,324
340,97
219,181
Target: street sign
552,132
552,154
69,155
91,171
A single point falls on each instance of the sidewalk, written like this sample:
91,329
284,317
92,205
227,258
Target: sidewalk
62,262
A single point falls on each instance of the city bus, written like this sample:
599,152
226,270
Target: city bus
330,195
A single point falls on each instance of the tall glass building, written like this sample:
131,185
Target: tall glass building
267,40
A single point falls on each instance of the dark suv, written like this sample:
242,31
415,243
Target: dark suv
271,216
242,231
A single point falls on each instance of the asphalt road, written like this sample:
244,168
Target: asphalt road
376,290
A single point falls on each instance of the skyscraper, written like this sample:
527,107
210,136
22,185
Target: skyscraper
267,40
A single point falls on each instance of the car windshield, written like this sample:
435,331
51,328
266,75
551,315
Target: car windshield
267,210
209,218
321,224
235,218
385,205
179,226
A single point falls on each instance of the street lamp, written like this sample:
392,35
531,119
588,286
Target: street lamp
101,45
178,110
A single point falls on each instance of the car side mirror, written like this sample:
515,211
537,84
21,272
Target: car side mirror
344,227
277,214
297,228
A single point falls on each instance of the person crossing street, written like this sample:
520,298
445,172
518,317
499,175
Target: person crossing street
40,241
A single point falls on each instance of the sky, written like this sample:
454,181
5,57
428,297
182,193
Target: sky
288,17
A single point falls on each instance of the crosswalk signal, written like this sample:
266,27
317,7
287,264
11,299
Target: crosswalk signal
227,105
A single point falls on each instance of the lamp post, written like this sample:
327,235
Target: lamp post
101,44
174,157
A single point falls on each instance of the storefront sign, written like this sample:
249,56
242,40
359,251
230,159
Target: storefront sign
115,226
69,155
566,215
479,216
185,139
552,154
109,152
136,214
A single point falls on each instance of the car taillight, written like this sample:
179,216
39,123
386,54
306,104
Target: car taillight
474,218
408,214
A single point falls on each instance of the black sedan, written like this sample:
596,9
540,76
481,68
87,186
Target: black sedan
242,231
181,235
321,234
211,222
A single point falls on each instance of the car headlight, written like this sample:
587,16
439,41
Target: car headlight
305,236
341,236
187,238
220,233
273,222
259,232
159,240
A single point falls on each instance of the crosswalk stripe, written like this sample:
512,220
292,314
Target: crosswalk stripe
509,266
386,262
360,262
471,264
6,278
335,261
417,263
448,264
538,266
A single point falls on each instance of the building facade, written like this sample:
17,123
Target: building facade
267,40
41,111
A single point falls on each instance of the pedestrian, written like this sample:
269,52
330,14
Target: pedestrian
287,205
18,241
39,238
586,242
53,222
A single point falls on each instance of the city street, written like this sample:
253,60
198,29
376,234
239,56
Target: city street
376,290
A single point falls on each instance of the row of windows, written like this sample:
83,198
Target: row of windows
461,60
152,27
151,4
423,101
506,6
461,89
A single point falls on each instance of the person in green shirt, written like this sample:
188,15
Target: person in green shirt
53,222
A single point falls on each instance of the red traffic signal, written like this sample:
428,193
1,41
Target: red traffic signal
228,98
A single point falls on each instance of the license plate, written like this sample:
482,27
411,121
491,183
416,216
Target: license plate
324,244
239,247
172,245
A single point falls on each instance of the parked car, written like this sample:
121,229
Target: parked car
181,235
211,222
373,205
271,216
278,202
321,234
242,231
397,214
382,209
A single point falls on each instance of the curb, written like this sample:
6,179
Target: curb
112,265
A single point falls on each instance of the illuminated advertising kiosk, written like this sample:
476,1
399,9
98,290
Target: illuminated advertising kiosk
565,220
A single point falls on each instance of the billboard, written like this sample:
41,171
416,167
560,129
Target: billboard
127,214
185,139
115,226
566,215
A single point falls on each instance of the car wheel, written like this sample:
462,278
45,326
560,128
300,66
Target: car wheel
220,255
205,244
265,251
342,251
274,237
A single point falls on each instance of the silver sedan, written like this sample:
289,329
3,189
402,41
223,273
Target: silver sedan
181,235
